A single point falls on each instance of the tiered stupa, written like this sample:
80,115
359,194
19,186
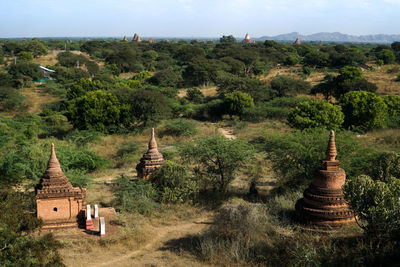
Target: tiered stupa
58,202
248,40
136,38
297,42
323,203
151,160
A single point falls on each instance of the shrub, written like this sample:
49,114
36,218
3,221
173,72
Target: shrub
287,86
217,159
173,183
135,196
316,113
96,110
393,114
195,95
128,148
236,102
11,99
377,206
180,127
363,111
83,137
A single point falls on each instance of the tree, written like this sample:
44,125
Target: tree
37,47
18,246
351,79
316,113
25,72
195,95
173,183
96,110
10,99
287,86
386,55
143,107
236,102
316,59
227,39
166,78
363,111
377,208
217,159
25,56
393,114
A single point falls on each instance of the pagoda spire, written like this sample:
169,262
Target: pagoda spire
331,152
53,165
153,143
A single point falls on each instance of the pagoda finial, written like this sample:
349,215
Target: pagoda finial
53,165
331,150
153,142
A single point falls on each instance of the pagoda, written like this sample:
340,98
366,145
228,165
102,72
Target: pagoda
58,202
323,203
136,39
125,39
247,39
297,42
151,160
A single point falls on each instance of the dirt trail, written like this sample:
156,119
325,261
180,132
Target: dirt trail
227,133
35,97
158,251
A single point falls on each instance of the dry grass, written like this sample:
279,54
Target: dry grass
384,81
291,71
35,98
207,91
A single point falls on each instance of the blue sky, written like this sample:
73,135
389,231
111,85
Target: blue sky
195,18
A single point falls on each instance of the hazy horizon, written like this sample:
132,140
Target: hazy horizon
191,18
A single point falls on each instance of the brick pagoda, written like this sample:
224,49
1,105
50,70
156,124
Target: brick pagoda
248,40
151,160
136,38
323,203
297,42
58,202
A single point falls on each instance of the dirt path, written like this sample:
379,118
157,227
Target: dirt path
227,133
35,98
158,252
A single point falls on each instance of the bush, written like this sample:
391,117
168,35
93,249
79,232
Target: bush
135,196
173,183
217,159
363,111
11,99
195,95
96,110
393,114
316,113
236,102
287,86
180,127
377,206
82,138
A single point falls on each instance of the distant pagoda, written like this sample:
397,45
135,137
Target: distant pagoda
136,38
151,160
58,202
320,43
297,42
323,203
248,40
125,39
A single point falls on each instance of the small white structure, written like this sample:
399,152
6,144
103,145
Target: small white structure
96,211
46,72
88,213
102,226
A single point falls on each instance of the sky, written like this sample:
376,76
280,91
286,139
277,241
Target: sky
195,18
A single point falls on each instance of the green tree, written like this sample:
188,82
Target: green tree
195,95
393,114
18,246
227,39
316,59
363,111
287,86
217,159
25,56
173,183
351,79
377,208
25,72
236,102
96,110
166,78
36,46
386,55
143,107
316,113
